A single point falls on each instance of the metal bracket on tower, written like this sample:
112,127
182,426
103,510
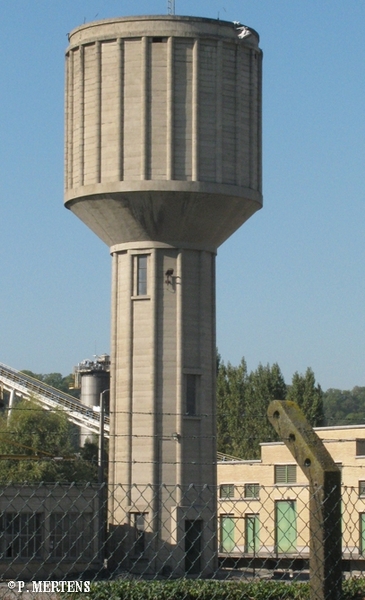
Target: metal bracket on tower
325,496
170,7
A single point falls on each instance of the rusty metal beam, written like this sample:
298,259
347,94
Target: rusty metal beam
325,497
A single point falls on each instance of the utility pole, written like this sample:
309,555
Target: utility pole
101,453
101,480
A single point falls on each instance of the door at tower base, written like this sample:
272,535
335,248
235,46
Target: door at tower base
173,541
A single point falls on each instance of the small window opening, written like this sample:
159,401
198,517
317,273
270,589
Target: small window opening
142,275
360,447
191,395
139,532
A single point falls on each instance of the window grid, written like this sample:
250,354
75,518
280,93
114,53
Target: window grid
285,474
226,491
22,535
251,491
68,534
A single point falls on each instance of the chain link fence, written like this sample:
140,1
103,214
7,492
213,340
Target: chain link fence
94,532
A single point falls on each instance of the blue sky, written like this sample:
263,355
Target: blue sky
290,282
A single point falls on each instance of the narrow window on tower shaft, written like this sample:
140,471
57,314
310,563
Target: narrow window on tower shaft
141,275
191,394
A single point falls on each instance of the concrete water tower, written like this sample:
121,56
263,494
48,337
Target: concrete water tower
163,163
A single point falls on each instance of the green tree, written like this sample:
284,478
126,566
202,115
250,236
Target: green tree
309,397
45,437
242,401
231,384
56,380
265,384
344,407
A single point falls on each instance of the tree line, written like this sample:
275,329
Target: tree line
39,445
243,399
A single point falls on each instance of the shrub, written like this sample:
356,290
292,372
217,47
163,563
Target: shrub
188,589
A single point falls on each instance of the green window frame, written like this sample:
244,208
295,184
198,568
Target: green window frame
226,491
362,534
286,526
251,491
252,533
227,533
285,474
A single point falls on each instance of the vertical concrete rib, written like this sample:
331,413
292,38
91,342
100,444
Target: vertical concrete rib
239,113
214,369
179,372
81,117
259,125
70,116
219,114
155,404
195,113
254,120
120,104
145,108
250,121
170,109
98,111
154,312
113,353
129,374
68,128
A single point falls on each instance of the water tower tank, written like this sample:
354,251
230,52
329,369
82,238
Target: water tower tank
163,163
163,130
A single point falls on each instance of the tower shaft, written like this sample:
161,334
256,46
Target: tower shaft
163,414
164,364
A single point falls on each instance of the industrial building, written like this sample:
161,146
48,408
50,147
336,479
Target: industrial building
263,505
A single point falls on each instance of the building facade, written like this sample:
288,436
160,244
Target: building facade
263,505
48,531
